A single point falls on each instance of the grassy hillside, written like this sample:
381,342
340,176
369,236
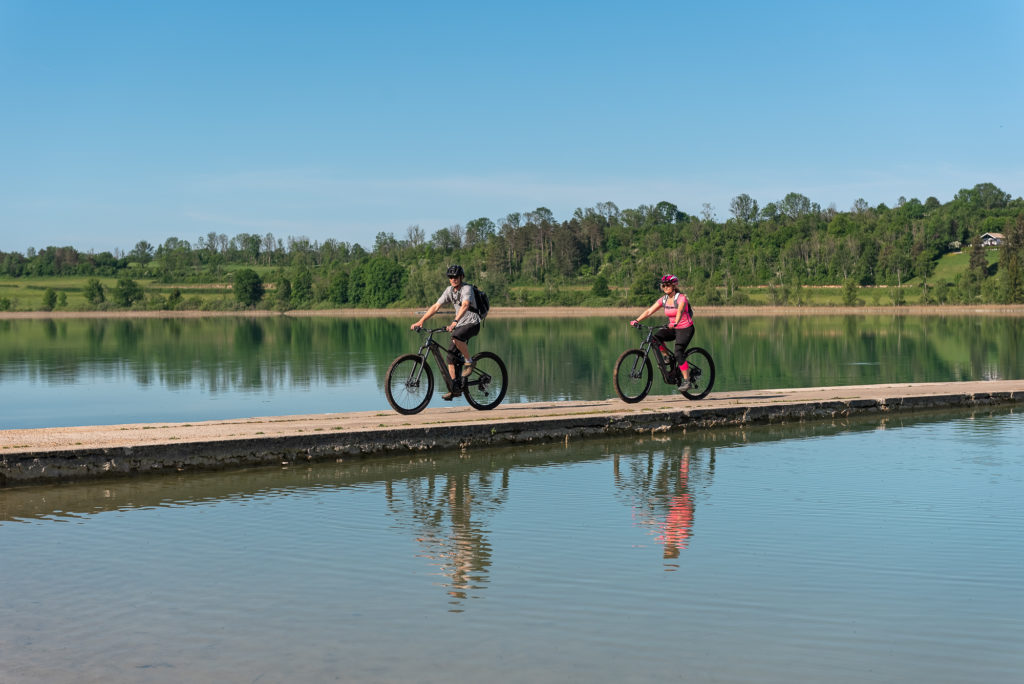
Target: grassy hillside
952,265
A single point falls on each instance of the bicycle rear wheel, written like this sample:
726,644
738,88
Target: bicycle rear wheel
409,384
486,385
633,376
702,373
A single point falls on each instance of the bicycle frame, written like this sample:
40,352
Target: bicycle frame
432,347
666,363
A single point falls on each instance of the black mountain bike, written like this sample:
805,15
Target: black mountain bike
634,375
409,384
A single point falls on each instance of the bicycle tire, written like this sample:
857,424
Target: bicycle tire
487,384
404,391
632,378
702,373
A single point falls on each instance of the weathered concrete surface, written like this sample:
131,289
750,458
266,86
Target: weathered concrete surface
94,451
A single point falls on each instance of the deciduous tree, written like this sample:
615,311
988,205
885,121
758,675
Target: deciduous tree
127,292
248,287
49,299
744,208
94,292
1011,262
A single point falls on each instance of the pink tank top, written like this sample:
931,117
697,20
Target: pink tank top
672,305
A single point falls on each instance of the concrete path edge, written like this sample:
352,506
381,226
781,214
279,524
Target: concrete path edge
37,465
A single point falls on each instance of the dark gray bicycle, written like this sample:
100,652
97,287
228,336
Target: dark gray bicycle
634,373
409,383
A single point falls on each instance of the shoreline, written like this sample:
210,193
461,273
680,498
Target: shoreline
546,312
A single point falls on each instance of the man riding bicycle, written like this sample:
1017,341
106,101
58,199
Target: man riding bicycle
465,325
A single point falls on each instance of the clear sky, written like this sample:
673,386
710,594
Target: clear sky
126,121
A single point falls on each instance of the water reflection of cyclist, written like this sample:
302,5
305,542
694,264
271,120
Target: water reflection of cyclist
447,512
679,520
680,323
662,493
465,325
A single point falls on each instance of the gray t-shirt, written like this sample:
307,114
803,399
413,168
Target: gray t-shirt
455,298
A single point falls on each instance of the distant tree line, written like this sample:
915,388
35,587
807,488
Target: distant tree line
535,258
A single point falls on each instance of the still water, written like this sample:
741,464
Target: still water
80,372
873,551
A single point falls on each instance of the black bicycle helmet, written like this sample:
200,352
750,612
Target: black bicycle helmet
455,271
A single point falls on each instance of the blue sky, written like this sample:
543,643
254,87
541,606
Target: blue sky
127,121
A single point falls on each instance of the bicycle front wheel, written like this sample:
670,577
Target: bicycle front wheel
409,384
702,373
633,376
486,385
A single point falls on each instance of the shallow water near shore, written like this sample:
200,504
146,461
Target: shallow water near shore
112,371
881,550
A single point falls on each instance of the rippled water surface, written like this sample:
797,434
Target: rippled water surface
104,371
868,552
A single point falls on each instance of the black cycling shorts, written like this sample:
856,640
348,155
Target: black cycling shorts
465,333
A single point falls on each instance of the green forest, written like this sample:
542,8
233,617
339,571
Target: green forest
786,252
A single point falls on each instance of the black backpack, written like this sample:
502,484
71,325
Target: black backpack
483,304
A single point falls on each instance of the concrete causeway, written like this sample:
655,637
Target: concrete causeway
64,453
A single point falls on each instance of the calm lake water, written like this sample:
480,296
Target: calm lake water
75,372
873,551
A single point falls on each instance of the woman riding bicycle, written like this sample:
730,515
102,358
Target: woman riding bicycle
680,323
465,326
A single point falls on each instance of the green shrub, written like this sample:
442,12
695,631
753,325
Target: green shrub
127,292
850,292
49,299
155,302
738,298
94,292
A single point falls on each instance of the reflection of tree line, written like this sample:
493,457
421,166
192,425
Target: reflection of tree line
220,353
834,350
548,358
661,485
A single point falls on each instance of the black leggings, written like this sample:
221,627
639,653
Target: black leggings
682,336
